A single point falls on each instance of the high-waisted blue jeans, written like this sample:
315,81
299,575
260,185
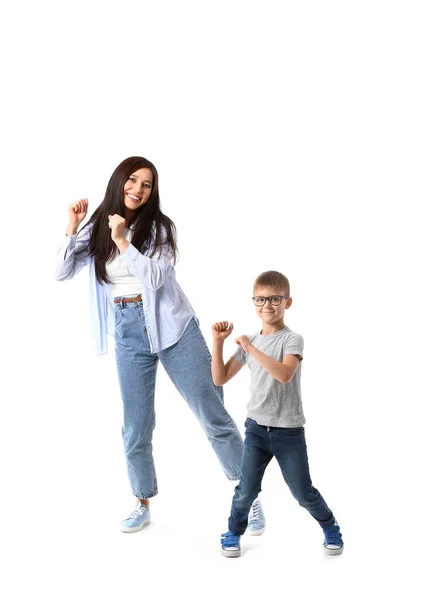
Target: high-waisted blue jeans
289,448
188,364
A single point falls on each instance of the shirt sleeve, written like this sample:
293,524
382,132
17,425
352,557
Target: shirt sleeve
152,272
294,344
72,255
240,355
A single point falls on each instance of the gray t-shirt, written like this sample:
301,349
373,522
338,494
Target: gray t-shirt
273,403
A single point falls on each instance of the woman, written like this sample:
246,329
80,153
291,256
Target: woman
130,247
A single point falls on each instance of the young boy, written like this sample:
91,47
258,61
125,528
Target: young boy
274,425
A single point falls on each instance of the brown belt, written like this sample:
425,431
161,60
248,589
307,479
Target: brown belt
135,299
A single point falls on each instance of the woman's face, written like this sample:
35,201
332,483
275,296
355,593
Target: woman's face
137,188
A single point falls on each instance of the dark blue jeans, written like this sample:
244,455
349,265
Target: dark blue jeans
289,448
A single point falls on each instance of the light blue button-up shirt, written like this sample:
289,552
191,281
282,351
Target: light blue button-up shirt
166,308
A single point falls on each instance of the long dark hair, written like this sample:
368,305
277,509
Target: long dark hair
152,229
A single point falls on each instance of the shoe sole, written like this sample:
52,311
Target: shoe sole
255,531
231,553
333,551
126,529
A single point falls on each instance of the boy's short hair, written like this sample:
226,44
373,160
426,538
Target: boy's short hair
273,279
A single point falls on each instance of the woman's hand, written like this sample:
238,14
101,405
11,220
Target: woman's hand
77,212
221,330
117,225
244,342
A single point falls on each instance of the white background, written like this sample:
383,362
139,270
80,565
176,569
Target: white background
288,135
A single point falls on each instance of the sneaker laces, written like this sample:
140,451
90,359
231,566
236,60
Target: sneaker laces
138,511
229,540
255,511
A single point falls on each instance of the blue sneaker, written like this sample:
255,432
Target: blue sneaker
230,545
256,519
139,517
333,543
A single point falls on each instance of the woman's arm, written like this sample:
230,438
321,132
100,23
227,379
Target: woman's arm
151,271
72,255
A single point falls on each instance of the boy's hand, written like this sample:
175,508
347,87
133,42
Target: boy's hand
244,342
221,330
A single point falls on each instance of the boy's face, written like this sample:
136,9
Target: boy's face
269,313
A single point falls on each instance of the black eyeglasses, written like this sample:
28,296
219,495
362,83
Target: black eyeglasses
273,300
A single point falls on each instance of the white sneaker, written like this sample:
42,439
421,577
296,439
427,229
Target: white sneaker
139,517
256,519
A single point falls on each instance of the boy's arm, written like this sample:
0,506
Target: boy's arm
281,371
221,373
